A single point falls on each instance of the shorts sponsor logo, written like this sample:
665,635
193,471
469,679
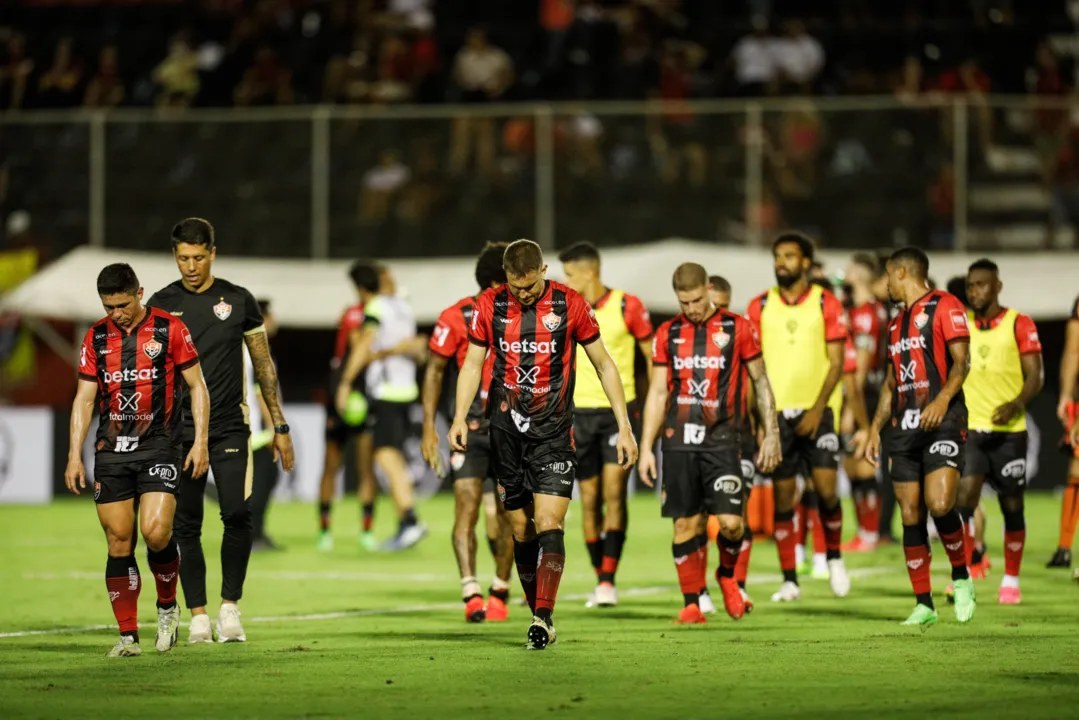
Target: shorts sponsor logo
523,422
1016,469
700,362
152,349
559,468
551,322
728,485
792,413
828,443
906,344
749,471
129,375
166,473
946,448
457,461
612,441
547,347
222,310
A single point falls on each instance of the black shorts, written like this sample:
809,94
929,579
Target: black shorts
749,459
523,466
391,424
696,481
475,461
915,453
114,482
802,455
999,457
595,432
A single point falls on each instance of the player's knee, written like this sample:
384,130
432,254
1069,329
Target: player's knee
689,526
731,526
938,506
1012,509
545,522
156,535
120,544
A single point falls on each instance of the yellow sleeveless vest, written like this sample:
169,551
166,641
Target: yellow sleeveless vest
996,374
588,392
795,352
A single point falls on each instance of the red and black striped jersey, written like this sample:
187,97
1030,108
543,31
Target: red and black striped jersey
351,319
918,341
706,378
139,384
868,325
449,340
535,351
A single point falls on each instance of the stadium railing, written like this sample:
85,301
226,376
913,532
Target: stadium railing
419,181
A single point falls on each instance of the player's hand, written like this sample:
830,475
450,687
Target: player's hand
429,448
459,435
282,448
341,398
810,422
627,449
75,476
1062,413
1003,414
933,415
871,450
858,442
770,454
198,460
646,467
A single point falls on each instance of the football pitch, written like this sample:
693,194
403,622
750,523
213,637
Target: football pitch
350,634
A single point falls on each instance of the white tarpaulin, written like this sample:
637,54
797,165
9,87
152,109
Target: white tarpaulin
25,455
313,293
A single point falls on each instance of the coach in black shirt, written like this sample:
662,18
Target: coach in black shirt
222,317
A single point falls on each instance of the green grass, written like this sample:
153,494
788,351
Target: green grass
375,657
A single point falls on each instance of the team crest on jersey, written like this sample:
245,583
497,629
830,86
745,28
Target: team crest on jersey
152,349
721,339
551,322
222,310
920,320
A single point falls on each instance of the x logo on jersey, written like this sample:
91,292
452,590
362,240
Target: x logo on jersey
131,402
527,376
906,372
700,389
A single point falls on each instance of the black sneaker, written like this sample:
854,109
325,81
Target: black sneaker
1061,559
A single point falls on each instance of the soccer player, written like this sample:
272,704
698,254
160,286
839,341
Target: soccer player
1066,411
470,469
1005,374
338,432
222,318
532,326
388,326
624,327
696,397
803,330
923,406
133,360
868,321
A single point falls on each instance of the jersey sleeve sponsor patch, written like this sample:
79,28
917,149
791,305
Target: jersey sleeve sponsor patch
583,316
181,346
659,345
480,331
87,357
954,323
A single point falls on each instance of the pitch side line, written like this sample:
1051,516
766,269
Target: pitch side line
404,609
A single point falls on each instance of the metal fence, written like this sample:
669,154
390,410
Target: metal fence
333,182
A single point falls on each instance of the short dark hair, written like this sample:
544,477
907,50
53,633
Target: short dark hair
719,283
958,286
689,276
581,251
489,270
366,275
791,236
821,282
117,279
984,264
913,258
869,262
522,257
194,231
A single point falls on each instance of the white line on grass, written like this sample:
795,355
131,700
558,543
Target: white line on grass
437,607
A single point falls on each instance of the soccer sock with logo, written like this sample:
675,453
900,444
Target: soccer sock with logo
966,515
950,529
165,565
1069,514
552,563
729,552
785,542
741,570
831,520
1015,538
368,516
613,543
124,582
526,557
687,563
916,550
595,553
702,561
324,516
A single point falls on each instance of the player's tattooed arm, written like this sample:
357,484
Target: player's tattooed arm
766,400
884,405
258,345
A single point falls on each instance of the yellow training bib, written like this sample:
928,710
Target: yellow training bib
996,374
588,392
795,350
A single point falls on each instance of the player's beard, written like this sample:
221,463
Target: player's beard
785,281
